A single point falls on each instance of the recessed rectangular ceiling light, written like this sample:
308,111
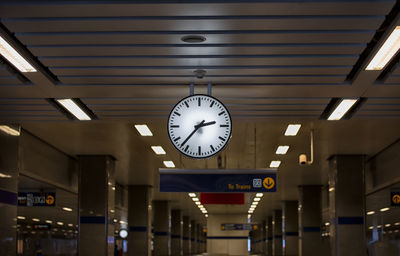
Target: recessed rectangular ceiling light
259,195
8,130
256,199
67,209
292,129
169,164
143,130
195,199
35,220
386,52
192,194
341,109
371,213
74,109
282,150
49,221
21,217
384,209
60,223
158,150
275,164
8,52
198,203
5,176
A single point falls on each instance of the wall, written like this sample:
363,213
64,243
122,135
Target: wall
43,162
226,242
384,168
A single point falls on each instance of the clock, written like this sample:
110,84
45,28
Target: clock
199,126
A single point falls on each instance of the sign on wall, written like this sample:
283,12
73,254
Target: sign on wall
217,180
228,227
395,197
36,198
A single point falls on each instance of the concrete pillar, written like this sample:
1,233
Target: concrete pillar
290,228
193,237
186,235
161,225
264,237
199,231
9,171
269,235
277,246
176,233
259,240
96,204
347,205
139,218
252,244
310,217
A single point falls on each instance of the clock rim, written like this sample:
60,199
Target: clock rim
201,157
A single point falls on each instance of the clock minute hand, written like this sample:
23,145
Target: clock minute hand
204,124
196,127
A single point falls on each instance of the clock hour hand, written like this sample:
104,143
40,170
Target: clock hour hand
196,127
204,124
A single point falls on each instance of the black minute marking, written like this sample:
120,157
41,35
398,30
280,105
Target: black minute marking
224,125
221,138
177,139
199,99
212,104
187,105
221,113
176,113
174,126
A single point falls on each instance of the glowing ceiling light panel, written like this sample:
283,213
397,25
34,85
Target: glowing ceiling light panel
344,106
143,130
74,109
275,164
386,52
8,130
8,52
169,164
282,150
158,150
292,129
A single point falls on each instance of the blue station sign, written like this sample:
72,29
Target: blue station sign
246,226
36,198
216,180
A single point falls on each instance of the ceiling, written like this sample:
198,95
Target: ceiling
271,63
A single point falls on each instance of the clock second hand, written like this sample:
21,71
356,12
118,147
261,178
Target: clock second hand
196,127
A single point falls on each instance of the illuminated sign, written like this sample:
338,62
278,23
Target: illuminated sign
218,180
230,227
36,199
395,197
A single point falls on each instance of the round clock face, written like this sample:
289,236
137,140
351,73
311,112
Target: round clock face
199,126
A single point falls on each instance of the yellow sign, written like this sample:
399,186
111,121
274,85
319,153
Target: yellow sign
396,199
268,183
50,200
255,227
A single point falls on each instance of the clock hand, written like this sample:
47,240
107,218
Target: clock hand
204,124
196,127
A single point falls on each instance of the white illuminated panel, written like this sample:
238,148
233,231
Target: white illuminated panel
386,52
8,52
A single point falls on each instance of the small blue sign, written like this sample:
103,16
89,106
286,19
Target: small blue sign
36,199
218,180
227,227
